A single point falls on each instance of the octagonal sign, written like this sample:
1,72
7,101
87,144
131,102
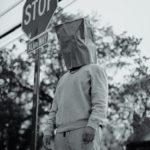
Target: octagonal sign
37,15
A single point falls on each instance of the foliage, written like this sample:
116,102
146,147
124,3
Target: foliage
128,96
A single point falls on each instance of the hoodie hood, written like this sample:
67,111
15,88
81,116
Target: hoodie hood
77,43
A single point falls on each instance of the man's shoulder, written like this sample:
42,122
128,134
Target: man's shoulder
95,67
62,77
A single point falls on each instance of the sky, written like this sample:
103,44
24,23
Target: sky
132,16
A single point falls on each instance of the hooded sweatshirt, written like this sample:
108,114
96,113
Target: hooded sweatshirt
80,100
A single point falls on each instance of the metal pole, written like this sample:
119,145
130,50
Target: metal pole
35,101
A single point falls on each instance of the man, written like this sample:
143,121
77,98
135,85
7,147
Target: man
79,108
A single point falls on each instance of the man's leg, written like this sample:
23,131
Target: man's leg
61,142
75,141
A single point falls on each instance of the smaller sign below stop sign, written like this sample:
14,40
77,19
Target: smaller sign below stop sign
37,42
37,15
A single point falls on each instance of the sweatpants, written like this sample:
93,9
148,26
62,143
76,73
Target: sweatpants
72,140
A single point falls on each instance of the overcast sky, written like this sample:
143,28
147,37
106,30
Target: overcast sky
132,16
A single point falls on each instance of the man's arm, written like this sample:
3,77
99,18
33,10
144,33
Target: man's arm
51,119
99,100
49,131
99,97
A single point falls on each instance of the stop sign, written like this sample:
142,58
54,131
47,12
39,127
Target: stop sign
37,15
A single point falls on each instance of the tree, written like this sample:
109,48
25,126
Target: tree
120,53
16,88
12,103
116,52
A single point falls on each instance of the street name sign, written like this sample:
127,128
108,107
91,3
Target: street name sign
35,43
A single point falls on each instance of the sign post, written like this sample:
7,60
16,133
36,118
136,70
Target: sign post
35,101
36,19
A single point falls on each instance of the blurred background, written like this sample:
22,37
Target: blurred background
121,30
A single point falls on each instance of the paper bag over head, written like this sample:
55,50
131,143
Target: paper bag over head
77,43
